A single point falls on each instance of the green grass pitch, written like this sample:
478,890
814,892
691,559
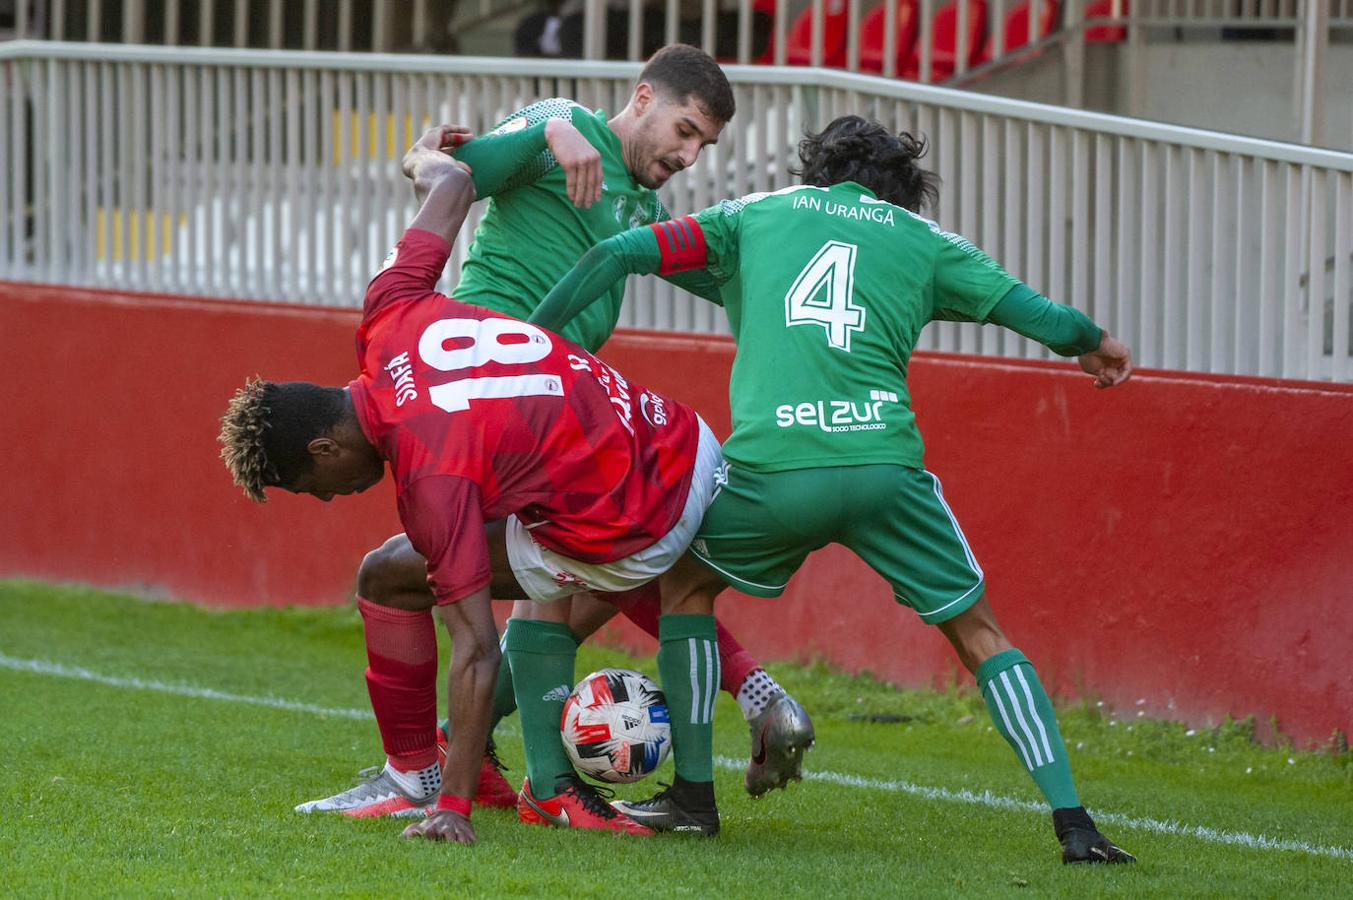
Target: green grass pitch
157,749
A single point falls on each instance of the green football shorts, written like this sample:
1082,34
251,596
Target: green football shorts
762,525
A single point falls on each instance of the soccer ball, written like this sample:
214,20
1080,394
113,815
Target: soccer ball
616,727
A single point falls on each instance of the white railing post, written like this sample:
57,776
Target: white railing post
819,27
1314,46
744,31
634,47
926,36
890,38
853,34
206,23
781,31
1073,56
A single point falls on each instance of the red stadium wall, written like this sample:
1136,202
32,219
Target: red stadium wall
1178,546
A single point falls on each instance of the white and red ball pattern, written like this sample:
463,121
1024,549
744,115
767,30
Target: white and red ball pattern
616,727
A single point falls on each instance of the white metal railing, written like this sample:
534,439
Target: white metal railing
343,25
274,175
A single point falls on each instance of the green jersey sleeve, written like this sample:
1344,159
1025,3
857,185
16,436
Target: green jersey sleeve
967,282
515,151
633,252
1063,329
721,226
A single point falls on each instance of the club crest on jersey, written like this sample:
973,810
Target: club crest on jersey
389,259
400,371
639,218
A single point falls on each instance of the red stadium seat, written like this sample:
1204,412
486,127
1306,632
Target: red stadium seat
872,35
1106,34
799,42
1017,27
944,50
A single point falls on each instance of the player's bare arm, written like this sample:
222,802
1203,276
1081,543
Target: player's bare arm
474,669
441,183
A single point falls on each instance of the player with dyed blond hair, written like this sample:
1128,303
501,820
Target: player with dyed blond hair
559,178
524,468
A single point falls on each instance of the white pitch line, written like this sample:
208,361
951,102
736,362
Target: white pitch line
995,801
42,667
970,798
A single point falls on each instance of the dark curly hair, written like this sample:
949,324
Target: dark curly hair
267,427
856,149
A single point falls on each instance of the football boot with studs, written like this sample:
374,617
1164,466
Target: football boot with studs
1081,841
781,734
685,806
576,805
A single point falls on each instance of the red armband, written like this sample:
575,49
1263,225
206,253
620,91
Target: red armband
454,804
682,244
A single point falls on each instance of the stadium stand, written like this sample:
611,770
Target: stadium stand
873,36
799,46
947,45
1016,31
1105,34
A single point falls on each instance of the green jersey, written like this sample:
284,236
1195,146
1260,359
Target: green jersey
532,234
826,290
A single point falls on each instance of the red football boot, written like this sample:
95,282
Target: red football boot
577,805
493,789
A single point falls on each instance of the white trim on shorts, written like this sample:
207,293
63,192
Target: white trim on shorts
546,575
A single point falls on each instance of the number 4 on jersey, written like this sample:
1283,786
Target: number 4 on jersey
821,295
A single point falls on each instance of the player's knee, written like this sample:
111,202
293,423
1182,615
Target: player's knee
391,572
975,635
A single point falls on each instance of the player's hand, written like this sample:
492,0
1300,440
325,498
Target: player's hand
580,161
443,825
441,141
1110,363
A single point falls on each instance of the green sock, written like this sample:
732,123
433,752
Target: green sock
1023,715
504,698
688,663
504,701
541,655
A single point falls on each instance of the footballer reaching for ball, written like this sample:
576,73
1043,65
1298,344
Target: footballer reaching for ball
525,468
562,177
827,286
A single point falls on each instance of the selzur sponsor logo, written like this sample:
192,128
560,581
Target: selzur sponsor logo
834,416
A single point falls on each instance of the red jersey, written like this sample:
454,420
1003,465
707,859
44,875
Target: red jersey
481,416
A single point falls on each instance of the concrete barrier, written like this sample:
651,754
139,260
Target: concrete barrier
1178,546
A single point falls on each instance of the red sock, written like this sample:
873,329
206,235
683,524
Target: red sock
401,649
735,663
643,606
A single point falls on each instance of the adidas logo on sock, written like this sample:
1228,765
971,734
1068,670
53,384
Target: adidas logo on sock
557,693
